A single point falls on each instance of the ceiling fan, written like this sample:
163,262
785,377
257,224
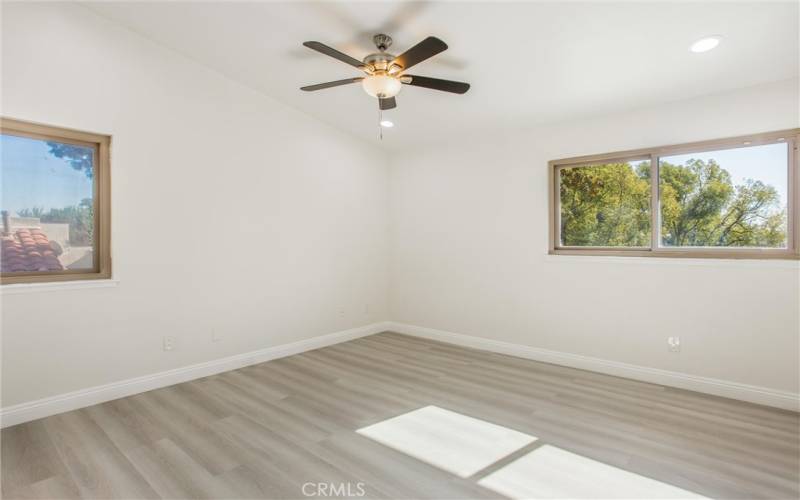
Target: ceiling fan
385,73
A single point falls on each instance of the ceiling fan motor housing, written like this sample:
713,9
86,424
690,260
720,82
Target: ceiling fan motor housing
380,60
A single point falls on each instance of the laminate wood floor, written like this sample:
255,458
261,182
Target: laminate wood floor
395,416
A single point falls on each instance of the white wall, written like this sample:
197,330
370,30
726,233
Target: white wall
470,236
279,221
284,221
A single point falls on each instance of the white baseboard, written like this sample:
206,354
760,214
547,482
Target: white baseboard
717,387
33,410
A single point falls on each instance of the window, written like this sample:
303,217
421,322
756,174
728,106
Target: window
729,198
55,204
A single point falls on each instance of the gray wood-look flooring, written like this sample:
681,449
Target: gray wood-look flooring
266,430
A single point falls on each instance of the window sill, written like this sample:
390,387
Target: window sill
55,286
672,261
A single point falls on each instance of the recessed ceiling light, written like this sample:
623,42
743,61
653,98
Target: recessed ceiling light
387,124
705,44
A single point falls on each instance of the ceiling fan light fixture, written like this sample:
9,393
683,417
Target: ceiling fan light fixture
381,86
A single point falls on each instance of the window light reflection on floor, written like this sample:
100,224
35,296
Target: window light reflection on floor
550,472
451,441
466,446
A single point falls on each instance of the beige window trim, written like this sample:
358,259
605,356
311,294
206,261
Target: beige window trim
792,137
101,200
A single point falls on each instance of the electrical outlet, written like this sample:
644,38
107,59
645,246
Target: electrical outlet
341,313
674,344
215,335
169,343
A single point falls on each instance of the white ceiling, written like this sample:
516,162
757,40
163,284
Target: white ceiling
528,63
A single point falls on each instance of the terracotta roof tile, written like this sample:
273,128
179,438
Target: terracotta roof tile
28,250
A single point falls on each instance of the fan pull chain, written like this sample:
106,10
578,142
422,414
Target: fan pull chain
380,119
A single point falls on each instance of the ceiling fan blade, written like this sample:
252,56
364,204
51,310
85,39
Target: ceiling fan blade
388,103
421,51
437,84
330,51
328,85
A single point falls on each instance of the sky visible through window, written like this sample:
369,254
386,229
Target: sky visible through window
764,162
33,177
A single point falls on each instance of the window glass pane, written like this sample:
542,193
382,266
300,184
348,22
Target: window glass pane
606,205
47,204
726,198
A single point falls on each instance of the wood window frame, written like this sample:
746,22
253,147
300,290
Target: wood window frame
101,199
792,250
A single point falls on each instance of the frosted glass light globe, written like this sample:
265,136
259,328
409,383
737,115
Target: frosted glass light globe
381,86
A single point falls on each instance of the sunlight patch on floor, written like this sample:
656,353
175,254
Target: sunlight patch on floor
550,472
451,441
